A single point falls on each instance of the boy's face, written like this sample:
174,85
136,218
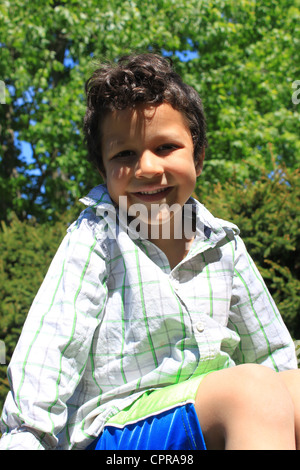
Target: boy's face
148,156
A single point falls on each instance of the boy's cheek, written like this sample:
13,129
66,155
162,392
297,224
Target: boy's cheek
117,174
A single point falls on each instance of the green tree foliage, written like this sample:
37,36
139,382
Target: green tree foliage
249,56
245,60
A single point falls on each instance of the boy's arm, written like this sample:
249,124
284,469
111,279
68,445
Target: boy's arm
51,354
255,317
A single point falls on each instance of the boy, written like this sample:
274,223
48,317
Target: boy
140,334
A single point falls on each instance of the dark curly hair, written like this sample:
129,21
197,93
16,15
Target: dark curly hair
139,79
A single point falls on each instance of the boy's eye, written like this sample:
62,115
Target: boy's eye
167,147
131,154
124,154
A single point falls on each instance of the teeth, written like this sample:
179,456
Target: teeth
153,192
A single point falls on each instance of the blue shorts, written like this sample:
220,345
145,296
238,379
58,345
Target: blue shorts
163,419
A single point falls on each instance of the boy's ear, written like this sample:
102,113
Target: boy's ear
199,163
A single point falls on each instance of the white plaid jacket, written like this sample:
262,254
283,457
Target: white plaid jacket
112,320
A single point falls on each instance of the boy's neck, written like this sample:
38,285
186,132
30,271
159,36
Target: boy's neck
173,237
172,241
175,249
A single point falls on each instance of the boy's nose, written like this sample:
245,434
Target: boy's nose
148,165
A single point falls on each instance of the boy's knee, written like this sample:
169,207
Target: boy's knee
254,377
261,385
246,389
244,397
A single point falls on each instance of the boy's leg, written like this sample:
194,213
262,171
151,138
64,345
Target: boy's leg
291,379
245,407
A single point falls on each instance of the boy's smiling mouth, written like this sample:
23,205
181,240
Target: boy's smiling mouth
152,195
153,192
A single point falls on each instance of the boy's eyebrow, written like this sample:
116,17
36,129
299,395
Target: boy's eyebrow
115,140
164,134
112,141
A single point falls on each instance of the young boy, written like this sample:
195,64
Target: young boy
153,328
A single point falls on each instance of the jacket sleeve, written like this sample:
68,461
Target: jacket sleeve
255,317
51,354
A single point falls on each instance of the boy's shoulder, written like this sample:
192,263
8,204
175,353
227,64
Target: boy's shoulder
93,218
216,224
97,197
226,225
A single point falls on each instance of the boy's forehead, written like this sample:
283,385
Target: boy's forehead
135,114
120,124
